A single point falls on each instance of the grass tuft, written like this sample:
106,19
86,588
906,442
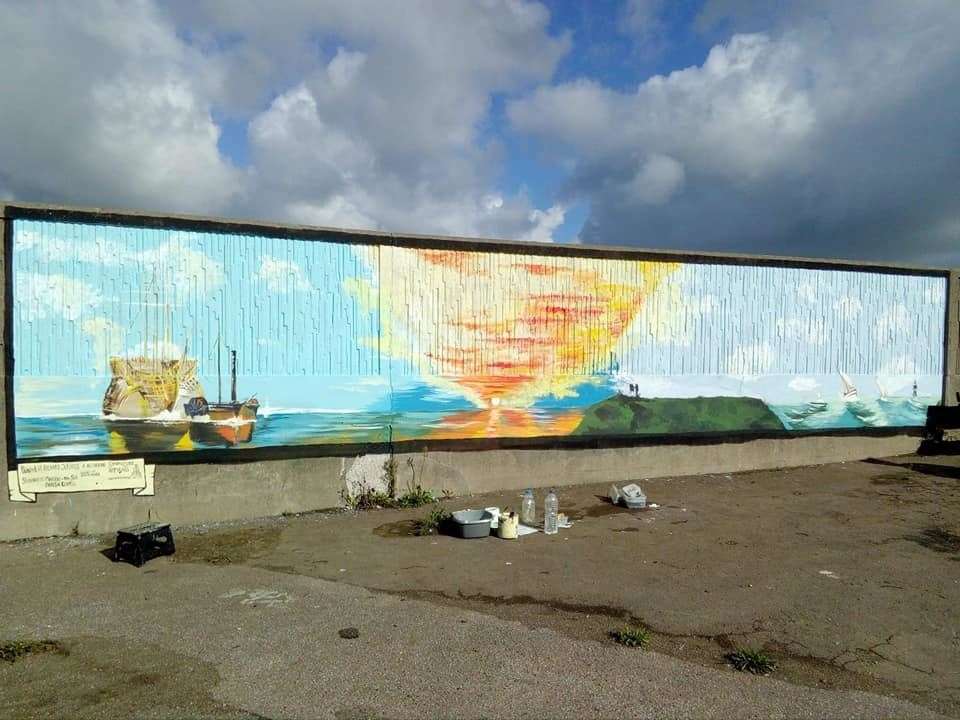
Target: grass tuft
632,636
415,496
16,649
752,660
430,524
367,498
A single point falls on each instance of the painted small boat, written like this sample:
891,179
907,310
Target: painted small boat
848,391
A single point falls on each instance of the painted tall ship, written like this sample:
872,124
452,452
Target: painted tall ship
158,403
150,388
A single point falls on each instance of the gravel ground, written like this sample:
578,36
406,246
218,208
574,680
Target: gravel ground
244,620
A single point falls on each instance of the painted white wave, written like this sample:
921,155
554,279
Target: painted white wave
266,411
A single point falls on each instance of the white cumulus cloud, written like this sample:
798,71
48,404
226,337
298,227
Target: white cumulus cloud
658,178
813,128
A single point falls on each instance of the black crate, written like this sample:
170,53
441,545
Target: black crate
140,543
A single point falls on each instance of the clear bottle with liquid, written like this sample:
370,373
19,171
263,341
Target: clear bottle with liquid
550,509
528,508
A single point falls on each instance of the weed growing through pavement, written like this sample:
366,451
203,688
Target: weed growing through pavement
16,649
415,496
632,636
430,524
368,498
752,660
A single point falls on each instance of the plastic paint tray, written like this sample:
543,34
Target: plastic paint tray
470,524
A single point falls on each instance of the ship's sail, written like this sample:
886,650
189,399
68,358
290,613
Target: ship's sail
881,389
142,387
848,390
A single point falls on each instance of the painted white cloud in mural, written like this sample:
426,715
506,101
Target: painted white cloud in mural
679,328
803,384
46,248
848,306
163,349
807,292
902,365
894,321
935,294
45,296
176,273
751,360
809,330
107,338
283,276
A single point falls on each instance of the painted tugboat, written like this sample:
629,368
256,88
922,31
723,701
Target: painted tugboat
231,422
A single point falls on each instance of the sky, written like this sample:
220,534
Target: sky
803,127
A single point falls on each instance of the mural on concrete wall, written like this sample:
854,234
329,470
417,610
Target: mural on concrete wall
132,340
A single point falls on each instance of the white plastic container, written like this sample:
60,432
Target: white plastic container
528,508
633,497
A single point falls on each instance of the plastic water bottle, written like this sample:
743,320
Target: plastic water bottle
528,508
550,510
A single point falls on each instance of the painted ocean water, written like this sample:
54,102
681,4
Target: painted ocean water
92,434
864,413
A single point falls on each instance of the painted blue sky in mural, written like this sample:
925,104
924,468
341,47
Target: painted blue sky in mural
303,337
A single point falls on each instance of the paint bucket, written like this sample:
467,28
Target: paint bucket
507,527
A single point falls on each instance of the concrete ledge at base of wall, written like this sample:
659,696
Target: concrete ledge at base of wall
188,494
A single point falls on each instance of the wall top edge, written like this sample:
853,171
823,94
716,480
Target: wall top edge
15,210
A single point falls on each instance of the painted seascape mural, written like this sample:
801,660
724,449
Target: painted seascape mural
134,340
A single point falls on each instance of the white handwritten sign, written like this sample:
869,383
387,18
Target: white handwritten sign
83,476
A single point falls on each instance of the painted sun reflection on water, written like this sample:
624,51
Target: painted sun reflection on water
505,422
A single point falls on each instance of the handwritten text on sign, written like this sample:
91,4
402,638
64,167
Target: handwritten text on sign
84,476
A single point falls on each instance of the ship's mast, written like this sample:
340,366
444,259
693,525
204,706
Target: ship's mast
233,377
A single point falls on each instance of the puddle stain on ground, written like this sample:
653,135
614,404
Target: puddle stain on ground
604,508
937,539
111,678
227,547
896,480
400,528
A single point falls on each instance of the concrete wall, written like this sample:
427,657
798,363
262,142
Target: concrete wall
187,494
208,492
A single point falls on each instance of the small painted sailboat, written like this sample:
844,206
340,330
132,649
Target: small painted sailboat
818,405
884,396
848,391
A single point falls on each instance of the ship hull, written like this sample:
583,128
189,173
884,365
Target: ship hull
225,412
